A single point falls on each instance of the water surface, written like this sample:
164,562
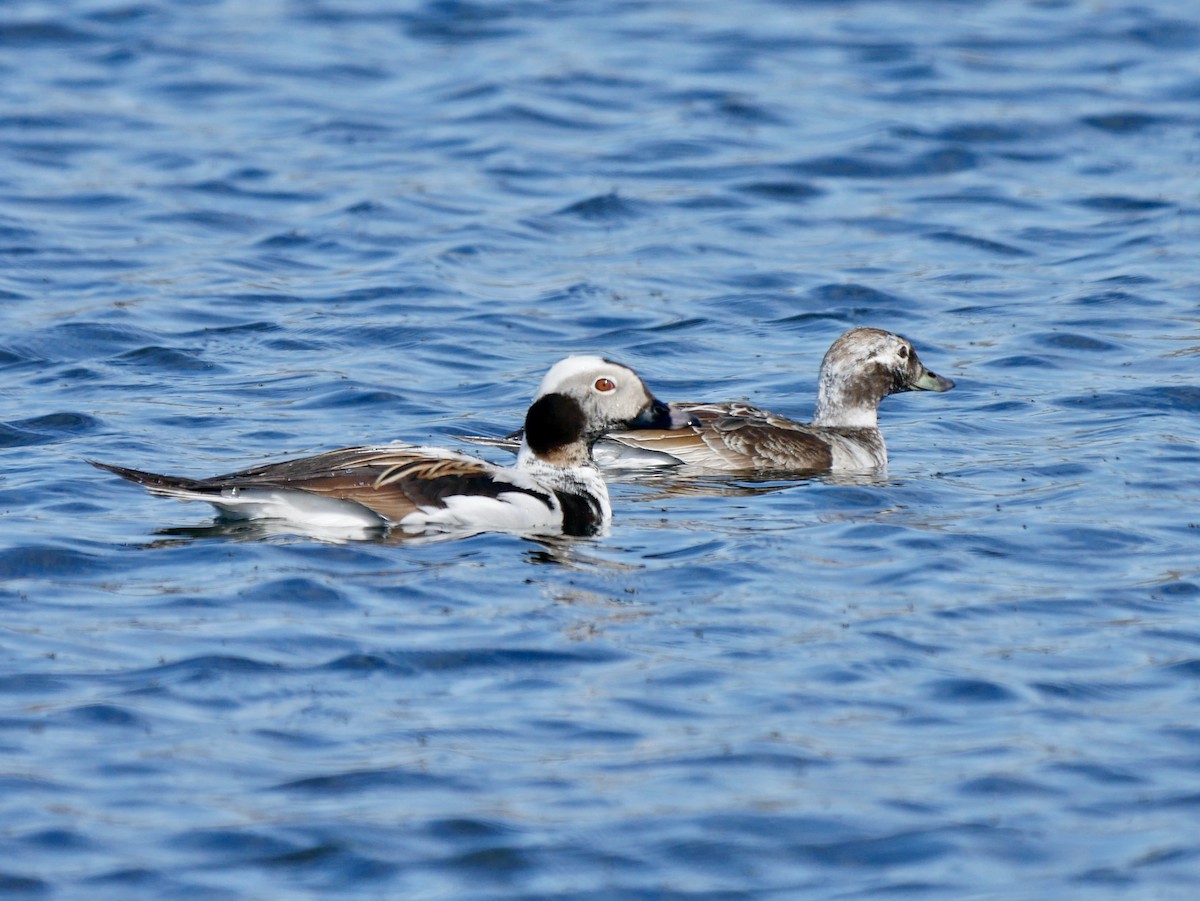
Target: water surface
235,232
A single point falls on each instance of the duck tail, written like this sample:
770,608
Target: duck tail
177,487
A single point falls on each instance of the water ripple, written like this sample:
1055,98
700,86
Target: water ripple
235,232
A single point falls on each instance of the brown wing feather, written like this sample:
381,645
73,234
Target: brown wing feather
736,436
392,481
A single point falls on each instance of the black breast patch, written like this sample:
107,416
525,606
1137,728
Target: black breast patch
580,514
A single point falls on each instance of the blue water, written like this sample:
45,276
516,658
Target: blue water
232,232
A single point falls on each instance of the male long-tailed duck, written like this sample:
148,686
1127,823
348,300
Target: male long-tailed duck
860,369
554,488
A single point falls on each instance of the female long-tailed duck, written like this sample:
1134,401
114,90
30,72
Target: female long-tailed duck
553,489
860,369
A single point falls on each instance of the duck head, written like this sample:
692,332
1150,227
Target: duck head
860,369
583,397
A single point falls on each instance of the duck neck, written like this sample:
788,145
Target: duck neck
556,432
567,456
838,407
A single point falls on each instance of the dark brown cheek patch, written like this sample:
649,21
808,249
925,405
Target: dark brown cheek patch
875,384
554,421
915,370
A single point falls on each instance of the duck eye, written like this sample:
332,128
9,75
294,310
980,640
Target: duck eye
903,351
605,385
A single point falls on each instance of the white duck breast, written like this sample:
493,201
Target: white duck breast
555,487
861,368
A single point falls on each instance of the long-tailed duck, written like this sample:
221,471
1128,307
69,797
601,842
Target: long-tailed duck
860,369
554,488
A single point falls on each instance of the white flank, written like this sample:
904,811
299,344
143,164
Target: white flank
849,455
299,507
512,511
612,454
